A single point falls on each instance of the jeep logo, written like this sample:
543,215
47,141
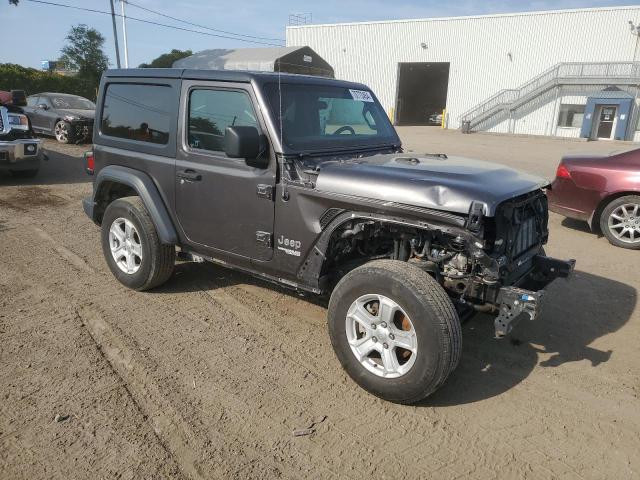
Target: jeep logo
288,246
289,243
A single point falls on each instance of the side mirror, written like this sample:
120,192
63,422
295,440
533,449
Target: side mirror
244,142
43,106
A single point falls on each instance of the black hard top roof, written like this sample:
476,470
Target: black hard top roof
227,76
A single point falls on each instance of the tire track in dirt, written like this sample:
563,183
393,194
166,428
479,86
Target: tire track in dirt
145,394
64,373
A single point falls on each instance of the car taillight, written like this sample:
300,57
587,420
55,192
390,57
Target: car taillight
90,163
563,172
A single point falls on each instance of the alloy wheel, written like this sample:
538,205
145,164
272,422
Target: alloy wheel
61,132
624,223
125,245
381,336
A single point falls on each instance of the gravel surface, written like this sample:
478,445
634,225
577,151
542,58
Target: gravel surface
219,375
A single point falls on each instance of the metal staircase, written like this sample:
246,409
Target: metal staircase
618,73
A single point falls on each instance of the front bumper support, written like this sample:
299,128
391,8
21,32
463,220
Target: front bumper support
525,298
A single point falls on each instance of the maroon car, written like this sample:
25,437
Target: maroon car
602,190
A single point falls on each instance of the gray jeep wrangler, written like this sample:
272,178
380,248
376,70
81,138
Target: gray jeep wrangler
302,181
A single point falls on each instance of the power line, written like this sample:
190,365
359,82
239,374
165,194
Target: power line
73,7
199,26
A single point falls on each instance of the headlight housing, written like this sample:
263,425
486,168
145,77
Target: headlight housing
18,121
71,118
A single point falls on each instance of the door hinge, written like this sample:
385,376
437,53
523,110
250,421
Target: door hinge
265,191
264,239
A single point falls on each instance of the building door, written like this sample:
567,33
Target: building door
606,124
422,93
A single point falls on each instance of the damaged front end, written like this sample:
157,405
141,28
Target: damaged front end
514,269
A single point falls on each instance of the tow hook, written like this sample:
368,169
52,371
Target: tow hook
516,303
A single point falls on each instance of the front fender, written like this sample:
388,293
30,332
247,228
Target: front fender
143,185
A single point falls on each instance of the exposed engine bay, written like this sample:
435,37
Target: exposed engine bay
477,265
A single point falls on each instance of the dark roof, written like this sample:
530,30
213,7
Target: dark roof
227,76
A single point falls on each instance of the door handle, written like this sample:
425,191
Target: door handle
190,175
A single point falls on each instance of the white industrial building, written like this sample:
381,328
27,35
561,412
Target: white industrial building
571,73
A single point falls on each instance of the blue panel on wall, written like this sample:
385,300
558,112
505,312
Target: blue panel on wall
591,109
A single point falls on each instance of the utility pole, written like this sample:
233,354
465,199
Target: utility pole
124,34
115,33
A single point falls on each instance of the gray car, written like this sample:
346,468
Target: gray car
302,181
69,118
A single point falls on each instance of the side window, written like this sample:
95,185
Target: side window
212,111
32,101
571,115
137,112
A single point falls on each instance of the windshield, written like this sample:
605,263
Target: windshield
68,101
322,117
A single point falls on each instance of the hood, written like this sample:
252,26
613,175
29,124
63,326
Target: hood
87,114
448,184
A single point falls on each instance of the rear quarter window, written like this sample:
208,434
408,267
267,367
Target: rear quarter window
139,112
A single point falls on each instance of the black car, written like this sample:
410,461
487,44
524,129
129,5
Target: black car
67,117
302,181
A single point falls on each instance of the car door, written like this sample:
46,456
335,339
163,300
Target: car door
41,119
32,109
32,102
222,203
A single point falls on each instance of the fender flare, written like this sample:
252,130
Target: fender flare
148,193
309,270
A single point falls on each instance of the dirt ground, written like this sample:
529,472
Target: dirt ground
208,376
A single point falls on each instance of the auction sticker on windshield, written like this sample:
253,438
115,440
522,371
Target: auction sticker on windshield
361,95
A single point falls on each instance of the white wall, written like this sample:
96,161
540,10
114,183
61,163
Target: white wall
476,47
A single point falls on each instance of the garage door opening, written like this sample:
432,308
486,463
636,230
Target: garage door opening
422,93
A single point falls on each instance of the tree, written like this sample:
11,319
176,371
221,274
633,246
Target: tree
166,59
84,53
13,2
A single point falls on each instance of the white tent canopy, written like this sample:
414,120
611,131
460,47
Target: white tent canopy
302,60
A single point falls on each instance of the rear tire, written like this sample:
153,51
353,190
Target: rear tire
131,246
424,312
620,220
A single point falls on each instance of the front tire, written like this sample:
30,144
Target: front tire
394,330
131,246
63,132
620,222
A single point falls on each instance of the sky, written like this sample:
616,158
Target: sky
37,31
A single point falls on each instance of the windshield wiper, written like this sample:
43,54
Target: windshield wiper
336,151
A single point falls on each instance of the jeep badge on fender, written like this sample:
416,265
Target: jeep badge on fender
290,247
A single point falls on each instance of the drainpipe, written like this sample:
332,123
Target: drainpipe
633,119
554,121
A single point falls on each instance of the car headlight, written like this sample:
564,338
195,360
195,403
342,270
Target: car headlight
18,121
71,118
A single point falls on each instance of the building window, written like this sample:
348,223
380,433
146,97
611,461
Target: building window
571,116
212,111
137,112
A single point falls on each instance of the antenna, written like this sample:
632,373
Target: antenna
124,34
